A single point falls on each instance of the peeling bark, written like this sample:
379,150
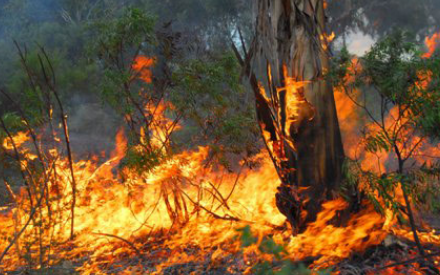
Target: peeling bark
295,105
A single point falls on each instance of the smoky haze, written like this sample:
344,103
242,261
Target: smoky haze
208,25
60,26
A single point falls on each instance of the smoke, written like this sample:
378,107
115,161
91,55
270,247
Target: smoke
92,126
357,42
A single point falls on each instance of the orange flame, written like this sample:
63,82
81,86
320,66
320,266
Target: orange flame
431,43
18,140
142,65
326,39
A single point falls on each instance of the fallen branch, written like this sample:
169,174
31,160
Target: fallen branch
138,252
226,218
410,261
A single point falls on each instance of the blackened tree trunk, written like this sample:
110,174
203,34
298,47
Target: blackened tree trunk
295,105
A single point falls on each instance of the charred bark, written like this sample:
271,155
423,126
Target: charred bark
295,105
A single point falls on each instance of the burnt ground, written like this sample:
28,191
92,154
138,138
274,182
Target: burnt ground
372,261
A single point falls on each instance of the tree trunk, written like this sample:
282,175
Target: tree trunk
295,105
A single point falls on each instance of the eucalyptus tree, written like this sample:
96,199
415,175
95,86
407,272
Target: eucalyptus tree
295,105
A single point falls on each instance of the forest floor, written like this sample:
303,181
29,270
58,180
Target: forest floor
392,250
371,261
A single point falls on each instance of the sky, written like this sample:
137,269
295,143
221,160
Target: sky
359,43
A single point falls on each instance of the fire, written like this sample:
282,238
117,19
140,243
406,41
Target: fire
431,43
326,39
18,140
143,64
168,196
296,108
181,211
295,101
351,124
347,111
364,229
